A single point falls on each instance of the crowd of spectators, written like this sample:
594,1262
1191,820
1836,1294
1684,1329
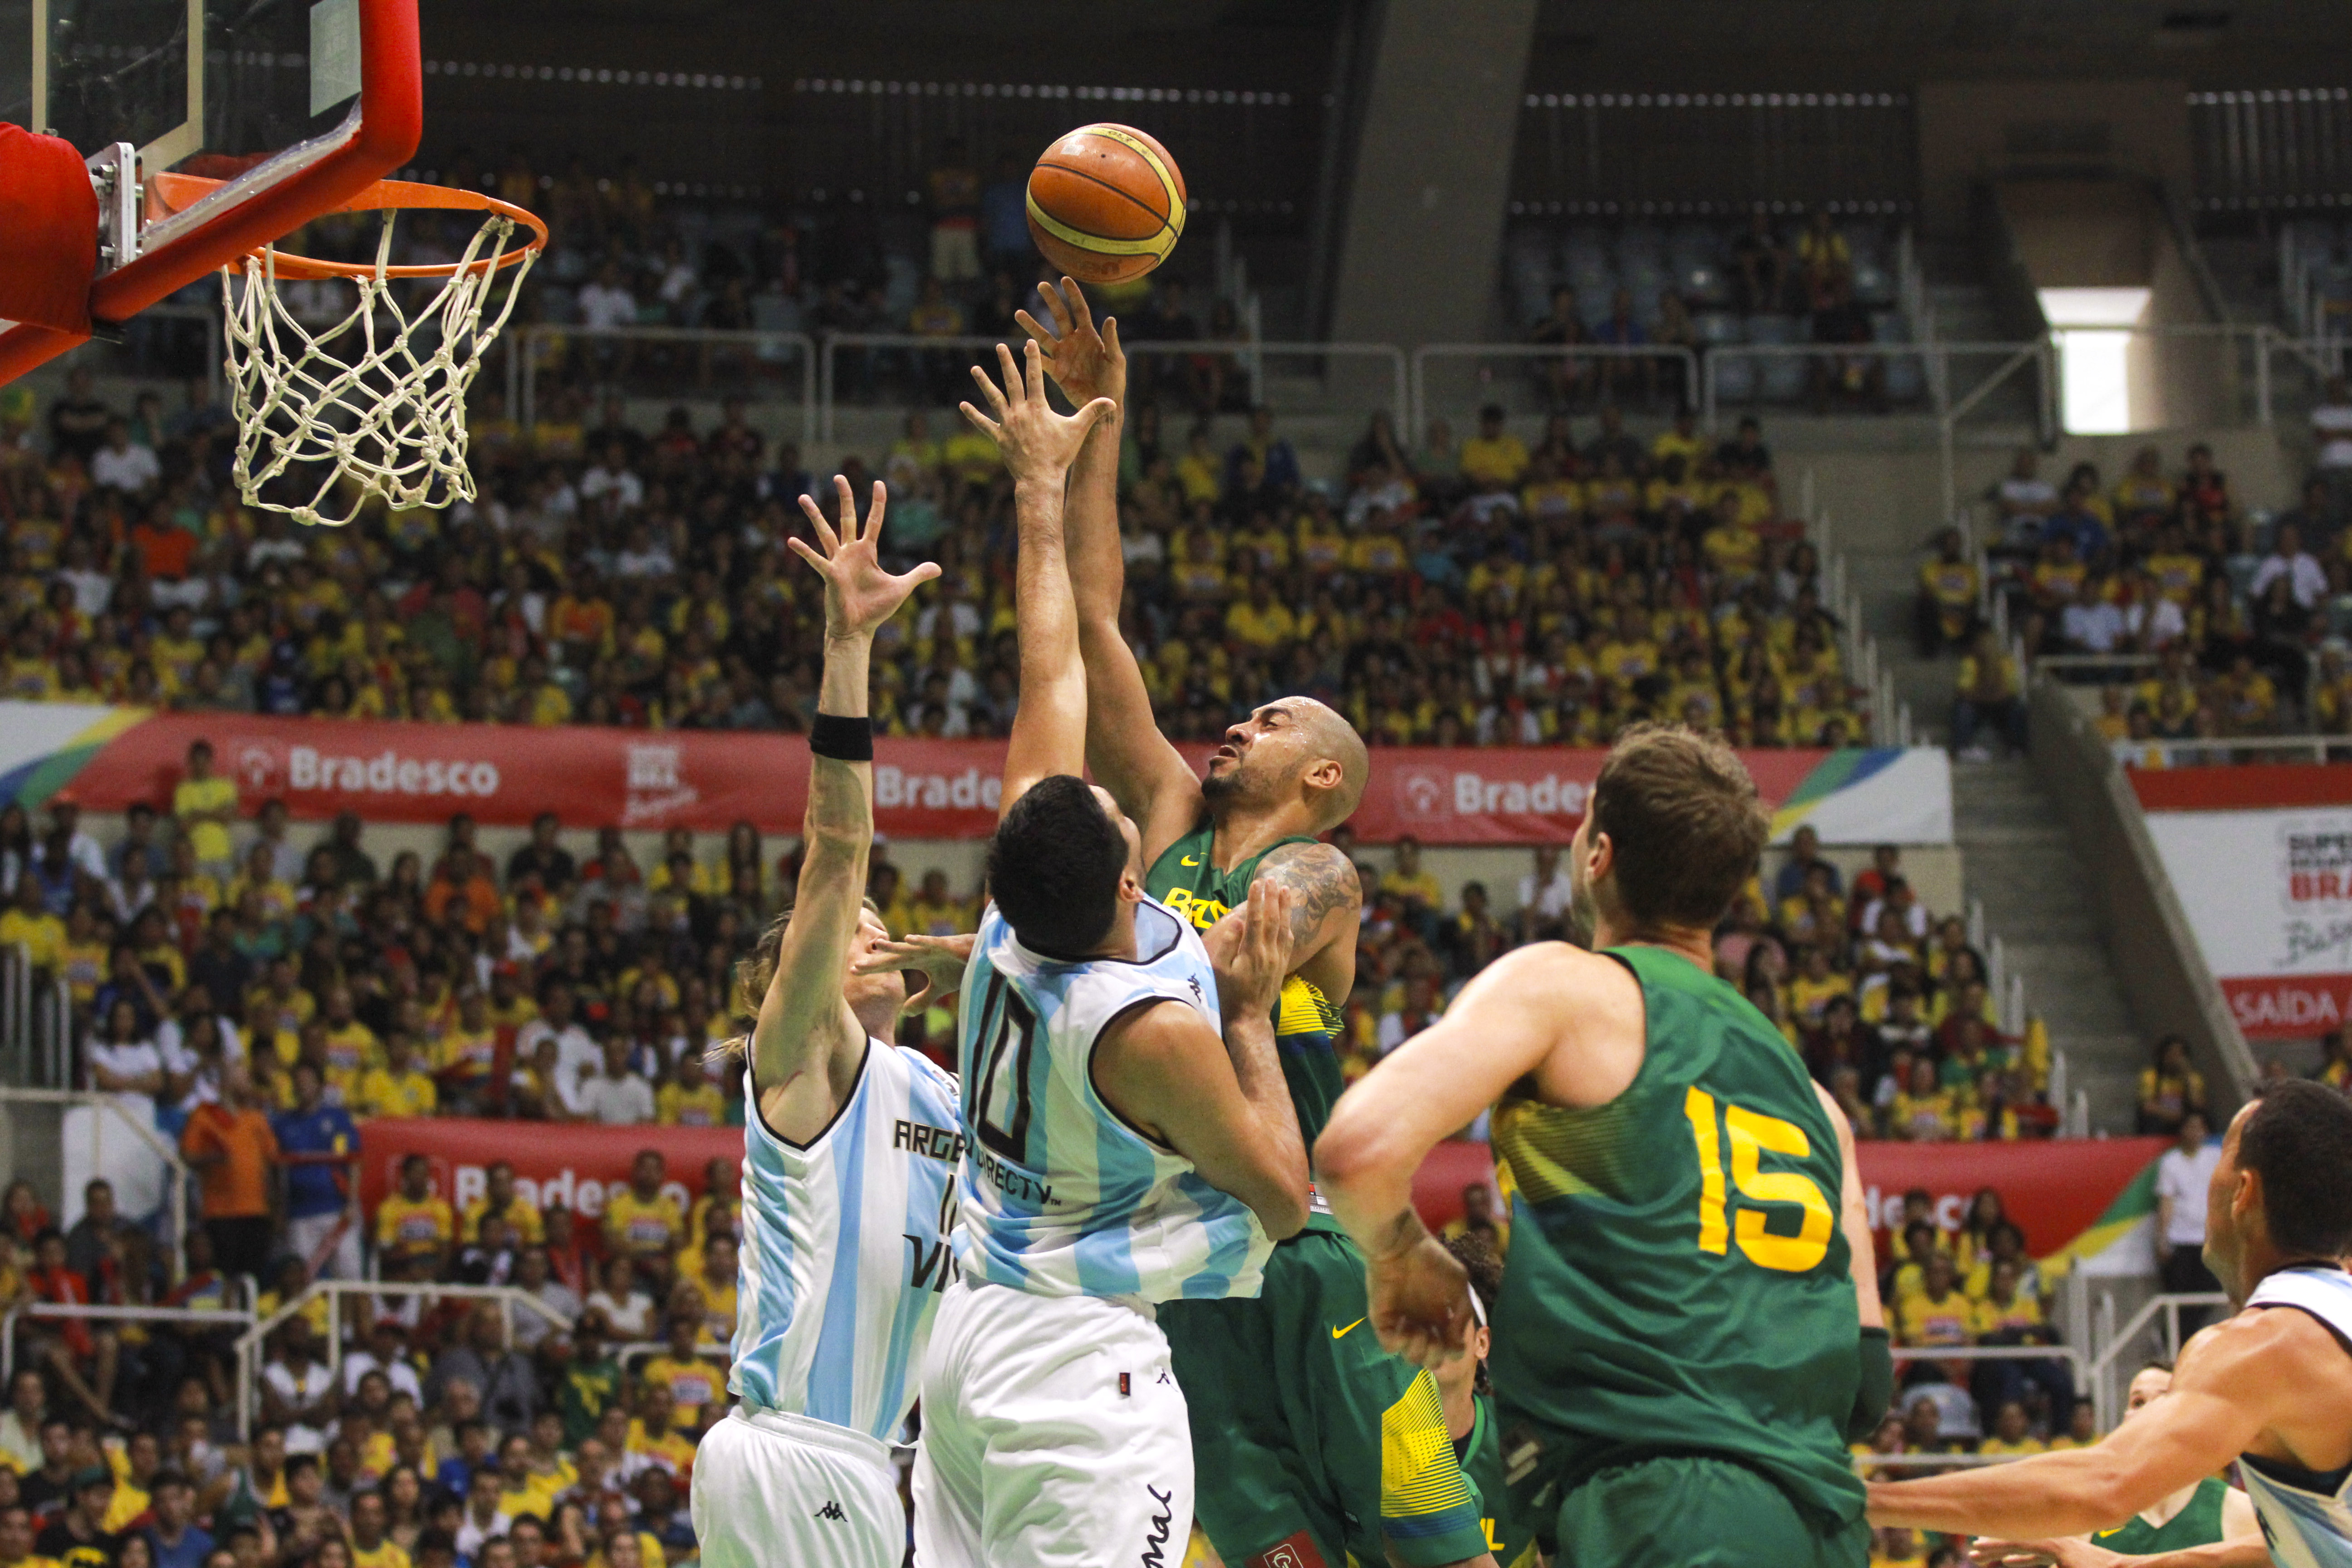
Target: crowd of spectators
1889,1003
1482,593
2231,617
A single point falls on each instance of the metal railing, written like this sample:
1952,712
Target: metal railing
1890,721
2284,748
1249,353
36,1023
2115,1342
249,1344
177,1177
1670,353
524,355
219,1317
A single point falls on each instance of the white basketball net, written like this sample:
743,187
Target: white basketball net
373,394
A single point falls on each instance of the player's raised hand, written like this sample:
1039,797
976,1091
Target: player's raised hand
859,596
1420,1299
1084,362
1037,443
1250,950
939,959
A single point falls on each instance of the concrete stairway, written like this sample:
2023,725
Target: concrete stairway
2018,862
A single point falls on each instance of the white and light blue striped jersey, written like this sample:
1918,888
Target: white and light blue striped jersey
2306,1518
1061,1195
845,1252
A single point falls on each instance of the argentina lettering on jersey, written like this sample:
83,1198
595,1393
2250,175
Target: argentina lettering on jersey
845,1249
2306,1518
1061,1195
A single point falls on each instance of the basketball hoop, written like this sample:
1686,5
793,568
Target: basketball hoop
371,391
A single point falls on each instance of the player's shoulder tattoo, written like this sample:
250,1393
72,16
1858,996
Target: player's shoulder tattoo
1320,878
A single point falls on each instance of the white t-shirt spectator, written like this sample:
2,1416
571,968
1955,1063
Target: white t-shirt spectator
131,469
623,1101
2332,422
2160,623
602,308
2094,627
627,489
576,1056
2301,569
130,1060
2183,1179
92,591
1549,902
357,1365
306,1390
631,1318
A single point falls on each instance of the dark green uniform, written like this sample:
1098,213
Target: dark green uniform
1509,1535
2198,1524
1305,1432
1678,1332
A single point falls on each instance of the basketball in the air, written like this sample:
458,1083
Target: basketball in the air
1106,204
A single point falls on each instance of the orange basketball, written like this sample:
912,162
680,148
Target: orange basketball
1106,204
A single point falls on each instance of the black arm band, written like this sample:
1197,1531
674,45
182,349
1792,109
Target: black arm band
1875,1394
842,740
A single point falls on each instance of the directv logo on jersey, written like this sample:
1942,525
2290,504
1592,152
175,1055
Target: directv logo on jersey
1017,1183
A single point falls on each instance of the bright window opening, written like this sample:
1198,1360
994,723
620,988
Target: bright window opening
2094,354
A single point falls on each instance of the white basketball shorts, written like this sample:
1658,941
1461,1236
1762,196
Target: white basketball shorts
771,1490
1053,1435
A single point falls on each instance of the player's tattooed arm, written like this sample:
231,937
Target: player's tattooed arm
1327,905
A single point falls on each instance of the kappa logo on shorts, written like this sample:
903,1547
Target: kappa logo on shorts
832,1511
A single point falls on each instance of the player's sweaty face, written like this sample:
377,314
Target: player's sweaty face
1268,746
859,989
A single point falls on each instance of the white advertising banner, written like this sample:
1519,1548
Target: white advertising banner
2268,894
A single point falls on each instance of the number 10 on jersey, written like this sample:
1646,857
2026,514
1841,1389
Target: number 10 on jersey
1751,1135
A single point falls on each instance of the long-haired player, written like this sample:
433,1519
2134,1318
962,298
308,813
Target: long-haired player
849,1159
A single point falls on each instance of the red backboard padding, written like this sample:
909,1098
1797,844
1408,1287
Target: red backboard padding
49,214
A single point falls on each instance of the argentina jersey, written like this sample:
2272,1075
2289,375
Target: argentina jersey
844,1251
1061,1195
2306,1518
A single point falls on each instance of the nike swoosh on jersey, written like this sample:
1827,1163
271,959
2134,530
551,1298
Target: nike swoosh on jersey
1342,1333
1190,860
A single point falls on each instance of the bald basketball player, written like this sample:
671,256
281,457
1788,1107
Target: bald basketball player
1293,1406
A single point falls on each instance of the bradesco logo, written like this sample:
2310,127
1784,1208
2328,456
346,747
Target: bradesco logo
895,788
389,773
1429,792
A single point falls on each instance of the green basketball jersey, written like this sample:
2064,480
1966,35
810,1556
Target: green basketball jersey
1678,1280
1508,1535
1308,1027
2198,1524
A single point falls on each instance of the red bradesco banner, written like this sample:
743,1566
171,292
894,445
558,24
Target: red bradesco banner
2054,1191
594,777
2262,860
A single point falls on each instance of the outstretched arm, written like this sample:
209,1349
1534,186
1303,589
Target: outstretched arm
807,1045
1147,777
2235,1379
1049,728
1506,1023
